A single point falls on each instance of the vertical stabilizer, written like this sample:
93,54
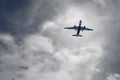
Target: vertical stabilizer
80,23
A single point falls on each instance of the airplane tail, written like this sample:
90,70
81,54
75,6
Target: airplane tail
77,35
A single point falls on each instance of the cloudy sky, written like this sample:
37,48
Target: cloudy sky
35,46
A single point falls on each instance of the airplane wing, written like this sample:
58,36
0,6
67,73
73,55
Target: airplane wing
84,28
80,23
70,28
88,29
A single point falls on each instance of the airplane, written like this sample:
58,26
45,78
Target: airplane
78,28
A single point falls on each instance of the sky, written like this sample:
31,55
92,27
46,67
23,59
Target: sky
35,46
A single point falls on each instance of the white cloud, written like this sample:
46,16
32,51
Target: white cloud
7,38
7,44
38,43
113,77
80,63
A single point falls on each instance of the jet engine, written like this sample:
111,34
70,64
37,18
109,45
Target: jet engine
74,25
84,27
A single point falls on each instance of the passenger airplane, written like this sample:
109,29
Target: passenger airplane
78,28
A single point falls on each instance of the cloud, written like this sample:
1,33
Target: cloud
48,51
79,63
15,26
32,55
110,62
20,18
7,44
113,77
63,64
37,43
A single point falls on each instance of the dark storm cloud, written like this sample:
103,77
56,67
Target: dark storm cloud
8,11
19,18
111,60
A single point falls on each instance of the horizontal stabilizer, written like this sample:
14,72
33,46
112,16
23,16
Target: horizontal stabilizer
77,35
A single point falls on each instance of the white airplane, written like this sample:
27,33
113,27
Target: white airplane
78,28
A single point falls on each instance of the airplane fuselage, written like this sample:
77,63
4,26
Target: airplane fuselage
79,28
